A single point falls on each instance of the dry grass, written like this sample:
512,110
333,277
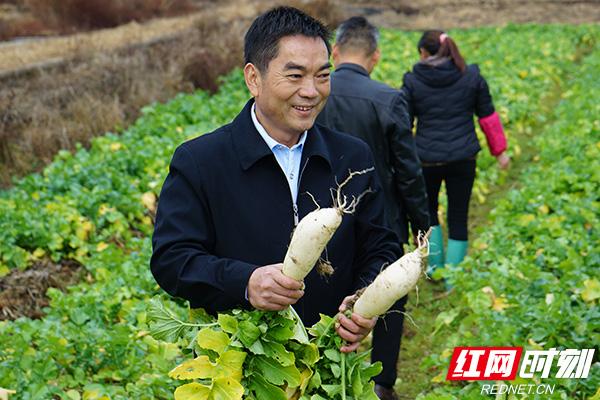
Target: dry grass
21,54
23,27
48,111
211,52
328,11
77,15
51,17
51,109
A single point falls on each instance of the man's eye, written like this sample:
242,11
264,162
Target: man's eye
324,76
294,76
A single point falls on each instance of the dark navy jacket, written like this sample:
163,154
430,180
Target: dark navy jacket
444,100
226,209
377,114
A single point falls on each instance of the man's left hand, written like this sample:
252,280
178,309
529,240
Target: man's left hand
353,330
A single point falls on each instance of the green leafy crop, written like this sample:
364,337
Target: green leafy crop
531,279
261,355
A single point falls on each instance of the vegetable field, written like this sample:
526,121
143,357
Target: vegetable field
532,278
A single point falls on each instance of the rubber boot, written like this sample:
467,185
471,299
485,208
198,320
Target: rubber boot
436,249
457,249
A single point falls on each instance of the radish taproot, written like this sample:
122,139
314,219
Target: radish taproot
393,283
316,229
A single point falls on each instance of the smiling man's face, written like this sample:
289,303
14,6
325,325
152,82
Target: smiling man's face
292,91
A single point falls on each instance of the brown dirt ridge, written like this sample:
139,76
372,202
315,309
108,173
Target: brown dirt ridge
447,14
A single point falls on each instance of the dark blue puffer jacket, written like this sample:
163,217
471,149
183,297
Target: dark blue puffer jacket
443,100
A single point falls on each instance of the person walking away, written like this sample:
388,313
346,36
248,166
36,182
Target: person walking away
377,114
443,94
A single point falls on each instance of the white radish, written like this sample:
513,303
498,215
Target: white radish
392,283
310,238
315,230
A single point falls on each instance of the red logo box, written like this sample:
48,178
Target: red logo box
484,363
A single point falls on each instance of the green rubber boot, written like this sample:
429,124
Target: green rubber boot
436,249
457,249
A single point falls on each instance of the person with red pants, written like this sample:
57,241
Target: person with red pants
443,94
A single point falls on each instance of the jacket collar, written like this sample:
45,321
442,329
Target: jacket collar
251,147
437,72
352,67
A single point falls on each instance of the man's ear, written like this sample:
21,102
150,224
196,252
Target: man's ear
335,54
252,78
375,57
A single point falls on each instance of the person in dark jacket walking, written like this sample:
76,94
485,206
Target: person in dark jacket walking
377,114
443,93
233,197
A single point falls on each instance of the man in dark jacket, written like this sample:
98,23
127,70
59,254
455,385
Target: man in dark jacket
232,197
377,114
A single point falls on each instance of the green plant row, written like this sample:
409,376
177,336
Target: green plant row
96,206
106,193
533,280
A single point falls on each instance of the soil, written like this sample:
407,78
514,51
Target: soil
23,293
447,14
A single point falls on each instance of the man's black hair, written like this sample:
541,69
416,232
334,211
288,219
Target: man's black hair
357,33
261,43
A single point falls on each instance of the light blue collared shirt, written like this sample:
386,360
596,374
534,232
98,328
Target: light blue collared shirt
287,158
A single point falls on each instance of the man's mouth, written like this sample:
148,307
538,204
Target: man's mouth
304,108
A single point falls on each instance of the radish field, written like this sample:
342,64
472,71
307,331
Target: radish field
532,277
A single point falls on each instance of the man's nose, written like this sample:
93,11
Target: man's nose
309,88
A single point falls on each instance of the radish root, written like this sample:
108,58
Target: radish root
340,200
324,268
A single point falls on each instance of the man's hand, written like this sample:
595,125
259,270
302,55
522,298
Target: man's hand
352,330
270,290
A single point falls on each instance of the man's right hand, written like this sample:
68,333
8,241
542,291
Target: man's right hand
270,290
